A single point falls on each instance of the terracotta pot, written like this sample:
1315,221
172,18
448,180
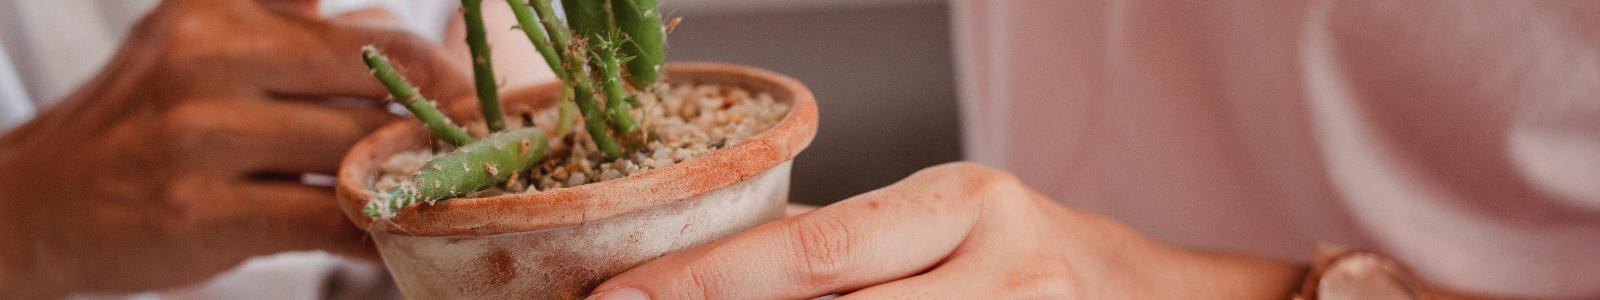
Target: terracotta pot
560,244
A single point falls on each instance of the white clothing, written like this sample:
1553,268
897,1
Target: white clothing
1462,137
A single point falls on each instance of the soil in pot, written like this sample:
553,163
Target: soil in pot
688,120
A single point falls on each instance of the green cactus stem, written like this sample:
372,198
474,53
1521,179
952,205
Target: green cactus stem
605,56
576,80
550,42
472,167
641,21
594,119
536,34
560,38
482,66
567,110
588,18
407,96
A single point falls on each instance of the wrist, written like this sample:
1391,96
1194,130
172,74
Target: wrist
22,275
1215,275
15,269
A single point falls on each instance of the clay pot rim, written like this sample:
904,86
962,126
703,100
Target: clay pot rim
590,202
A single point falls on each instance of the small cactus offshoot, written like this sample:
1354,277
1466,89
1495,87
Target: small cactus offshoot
470,168
420,107
605,55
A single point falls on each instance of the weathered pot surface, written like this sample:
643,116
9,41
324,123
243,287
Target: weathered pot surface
561,243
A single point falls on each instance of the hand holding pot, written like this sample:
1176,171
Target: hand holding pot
165,168
958,231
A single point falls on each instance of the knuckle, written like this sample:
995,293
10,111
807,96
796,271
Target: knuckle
394,43
404,39
413,55
1046,279
977,181
199,38
823,248
177,205
195,26
190,127
202,42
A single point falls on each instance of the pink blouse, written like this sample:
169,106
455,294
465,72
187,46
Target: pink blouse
1461,137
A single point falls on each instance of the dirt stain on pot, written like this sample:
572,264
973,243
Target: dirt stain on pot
572,275
495,269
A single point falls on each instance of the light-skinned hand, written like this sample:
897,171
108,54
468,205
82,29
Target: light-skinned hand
956,231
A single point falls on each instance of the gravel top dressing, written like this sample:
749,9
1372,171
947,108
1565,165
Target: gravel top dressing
688,121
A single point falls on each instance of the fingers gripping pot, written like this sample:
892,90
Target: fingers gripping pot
561,243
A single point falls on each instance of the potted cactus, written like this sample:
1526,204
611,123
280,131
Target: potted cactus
514,201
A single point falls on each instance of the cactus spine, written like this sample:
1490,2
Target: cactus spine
420,107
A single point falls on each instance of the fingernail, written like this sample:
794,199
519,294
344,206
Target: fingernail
625,293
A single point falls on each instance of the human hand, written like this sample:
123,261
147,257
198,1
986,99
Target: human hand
181,158
517,63
959,231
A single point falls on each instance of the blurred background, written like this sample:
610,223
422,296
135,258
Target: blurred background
881,71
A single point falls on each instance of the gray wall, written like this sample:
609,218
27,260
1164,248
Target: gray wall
881,73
